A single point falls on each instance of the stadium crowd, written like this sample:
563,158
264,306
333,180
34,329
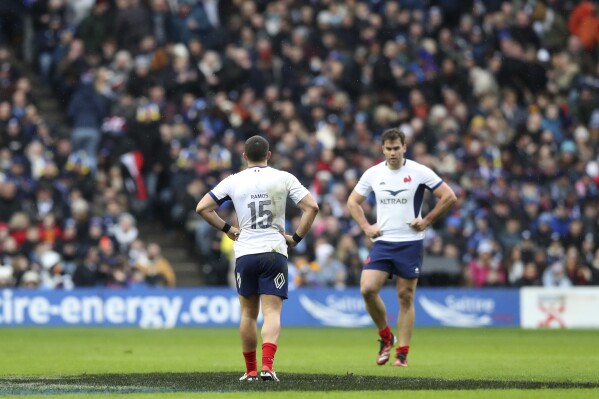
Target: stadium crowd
500,98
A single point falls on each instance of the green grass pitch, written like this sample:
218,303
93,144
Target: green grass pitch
311,362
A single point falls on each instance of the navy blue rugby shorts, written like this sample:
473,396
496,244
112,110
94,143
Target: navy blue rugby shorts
264,273
403,259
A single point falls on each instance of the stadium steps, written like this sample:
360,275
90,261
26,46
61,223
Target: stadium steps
176,249
48,104
187,274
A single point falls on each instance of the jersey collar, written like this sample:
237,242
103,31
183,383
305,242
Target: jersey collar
403,164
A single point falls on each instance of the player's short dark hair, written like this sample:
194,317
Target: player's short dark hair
393,134
256,148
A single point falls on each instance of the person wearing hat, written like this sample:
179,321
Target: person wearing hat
484,267
543,231
7,279
31,279
555,276
53,276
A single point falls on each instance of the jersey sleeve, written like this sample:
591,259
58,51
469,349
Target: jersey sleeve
296,190
429,178
221,193
364,186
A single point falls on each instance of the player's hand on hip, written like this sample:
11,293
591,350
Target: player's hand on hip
233,233
419,224
373,231
290,241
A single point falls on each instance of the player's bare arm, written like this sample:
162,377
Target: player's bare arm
309,209
354,204
446,200
206,208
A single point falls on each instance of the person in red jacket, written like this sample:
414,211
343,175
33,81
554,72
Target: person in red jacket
584,23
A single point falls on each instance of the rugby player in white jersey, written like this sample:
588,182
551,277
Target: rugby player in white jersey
398,185
259,194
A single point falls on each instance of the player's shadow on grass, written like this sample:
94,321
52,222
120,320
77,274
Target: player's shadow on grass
228,382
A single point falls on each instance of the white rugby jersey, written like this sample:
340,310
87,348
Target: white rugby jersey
259,195
399,195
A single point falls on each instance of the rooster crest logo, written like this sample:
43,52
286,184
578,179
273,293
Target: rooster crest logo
407,179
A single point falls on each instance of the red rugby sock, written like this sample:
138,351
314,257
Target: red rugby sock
385,334
250,361
268,355
403,349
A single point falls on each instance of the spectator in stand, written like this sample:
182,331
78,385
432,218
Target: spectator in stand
9,74
6,277
125,232
485,269
514,264
530,277
47,44
54,275
584,23
555,276
97,26
482,234
578,273
9,202
133,22
157,270
70,246
87,272
70,68
30,280
86,111
331,272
